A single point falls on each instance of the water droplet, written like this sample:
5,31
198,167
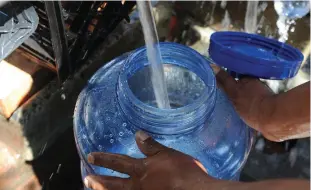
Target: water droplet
51,176
100,147
84,136
260,145
108,118
121,134
111,140
63,96
110,135
236,143
292,157
58,168
17,156
124,124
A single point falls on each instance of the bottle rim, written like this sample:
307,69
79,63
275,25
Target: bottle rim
168,121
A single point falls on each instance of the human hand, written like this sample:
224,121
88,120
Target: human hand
168,169
164,168
252,99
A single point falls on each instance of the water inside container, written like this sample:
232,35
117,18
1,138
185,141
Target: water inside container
212,132
183,86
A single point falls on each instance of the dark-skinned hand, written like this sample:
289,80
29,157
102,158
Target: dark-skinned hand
163,169
277,116
168,169
248,95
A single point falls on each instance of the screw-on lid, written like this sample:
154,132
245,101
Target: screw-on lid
254,55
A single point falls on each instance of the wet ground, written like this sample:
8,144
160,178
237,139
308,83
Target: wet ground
59,166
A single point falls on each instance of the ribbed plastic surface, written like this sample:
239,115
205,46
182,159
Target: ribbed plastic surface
254,55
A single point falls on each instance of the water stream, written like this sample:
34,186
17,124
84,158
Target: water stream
226,21
288,12
250,24
153,54
211,20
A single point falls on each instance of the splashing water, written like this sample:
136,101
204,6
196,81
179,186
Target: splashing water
226,21
153,53
58,168
288,12
250,24
223,4
211,20
283,25
292,9
262,7
51,176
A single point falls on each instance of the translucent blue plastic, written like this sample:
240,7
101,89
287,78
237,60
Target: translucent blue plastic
254,55
292,9
119,100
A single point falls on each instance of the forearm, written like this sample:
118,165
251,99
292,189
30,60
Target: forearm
287,115
266,185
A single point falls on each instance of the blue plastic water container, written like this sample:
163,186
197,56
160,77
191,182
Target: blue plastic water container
119,100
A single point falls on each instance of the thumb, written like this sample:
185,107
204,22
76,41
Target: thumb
227,83
147,145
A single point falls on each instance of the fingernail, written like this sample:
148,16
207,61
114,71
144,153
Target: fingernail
90,159
215,68
86,182
142,136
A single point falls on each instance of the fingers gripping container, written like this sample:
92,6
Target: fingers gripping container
254,55
119,100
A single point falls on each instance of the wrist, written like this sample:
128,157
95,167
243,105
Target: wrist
222,184
267,123
209,183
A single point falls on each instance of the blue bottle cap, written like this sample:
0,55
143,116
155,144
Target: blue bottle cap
254,55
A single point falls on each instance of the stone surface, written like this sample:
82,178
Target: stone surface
20,78
14,172
14,86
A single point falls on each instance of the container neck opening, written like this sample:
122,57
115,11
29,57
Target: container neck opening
190,84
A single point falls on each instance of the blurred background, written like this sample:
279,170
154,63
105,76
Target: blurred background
50,49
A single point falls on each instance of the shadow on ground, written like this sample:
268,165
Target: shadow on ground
59,166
